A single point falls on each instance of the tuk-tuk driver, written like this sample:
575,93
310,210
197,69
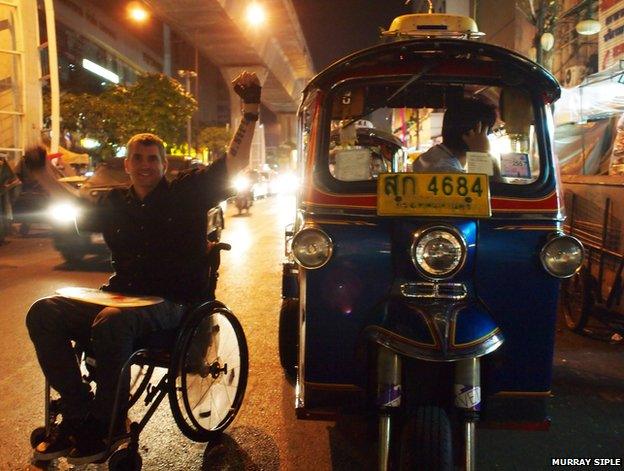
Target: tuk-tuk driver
465,128
158,242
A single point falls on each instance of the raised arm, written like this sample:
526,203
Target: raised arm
247,86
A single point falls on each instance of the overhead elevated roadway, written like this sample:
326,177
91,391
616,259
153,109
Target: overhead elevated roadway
275,50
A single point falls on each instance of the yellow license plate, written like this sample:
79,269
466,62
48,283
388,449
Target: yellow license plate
433,194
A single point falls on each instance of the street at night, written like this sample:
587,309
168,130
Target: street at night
587,407
417,208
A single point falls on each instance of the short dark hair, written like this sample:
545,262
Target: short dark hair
462,116
147,139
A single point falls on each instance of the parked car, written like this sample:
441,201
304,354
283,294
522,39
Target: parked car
108,175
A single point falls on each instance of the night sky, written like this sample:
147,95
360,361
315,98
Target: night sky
335,28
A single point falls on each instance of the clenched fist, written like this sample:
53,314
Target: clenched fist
247,86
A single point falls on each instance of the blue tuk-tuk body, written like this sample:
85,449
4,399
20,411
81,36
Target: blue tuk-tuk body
354,283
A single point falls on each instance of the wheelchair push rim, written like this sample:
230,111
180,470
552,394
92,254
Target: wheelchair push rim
209,372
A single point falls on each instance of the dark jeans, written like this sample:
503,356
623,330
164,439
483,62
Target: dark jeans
111,333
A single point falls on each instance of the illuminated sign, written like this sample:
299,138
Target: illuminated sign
611,39
99,70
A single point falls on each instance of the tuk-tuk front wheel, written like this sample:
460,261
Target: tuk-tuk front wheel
289,336
427,441
576,300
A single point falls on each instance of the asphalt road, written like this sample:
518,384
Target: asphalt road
588,391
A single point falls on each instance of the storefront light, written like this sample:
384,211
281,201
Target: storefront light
588,27
547,41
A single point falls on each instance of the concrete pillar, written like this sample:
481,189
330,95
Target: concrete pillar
458,7
258,151
288,127
166,50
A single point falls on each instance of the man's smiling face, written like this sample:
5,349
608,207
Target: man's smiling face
145,167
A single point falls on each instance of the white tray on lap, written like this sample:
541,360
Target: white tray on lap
107,298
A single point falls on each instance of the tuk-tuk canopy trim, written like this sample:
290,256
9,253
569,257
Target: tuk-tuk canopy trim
393,58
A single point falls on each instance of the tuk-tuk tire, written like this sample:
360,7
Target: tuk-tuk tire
427,441
289,336
576,296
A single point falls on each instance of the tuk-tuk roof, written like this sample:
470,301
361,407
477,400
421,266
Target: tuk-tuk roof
516,64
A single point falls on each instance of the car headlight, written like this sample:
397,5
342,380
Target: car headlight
438,252
562,256
312,248
64,212
241,184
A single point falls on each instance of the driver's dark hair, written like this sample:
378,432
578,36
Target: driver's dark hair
463,115
147,139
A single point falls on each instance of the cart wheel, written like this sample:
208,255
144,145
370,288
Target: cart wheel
427,441
289,336
125,459
208,373
37,436
576,301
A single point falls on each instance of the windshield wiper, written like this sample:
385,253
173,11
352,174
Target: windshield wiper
409,82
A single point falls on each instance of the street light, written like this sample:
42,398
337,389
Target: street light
187,74
255,14
137,12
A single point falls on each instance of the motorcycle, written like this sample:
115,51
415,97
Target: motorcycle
427,297
244,194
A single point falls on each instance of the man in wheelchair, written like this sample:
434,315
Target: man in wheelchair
156,231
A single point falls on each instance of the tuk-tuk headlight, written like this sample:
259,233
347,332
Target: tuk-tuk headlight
312,248
562,256
438,252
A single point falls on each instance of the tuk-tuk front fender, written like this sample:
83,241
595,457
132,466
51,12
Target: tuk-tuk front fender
437,331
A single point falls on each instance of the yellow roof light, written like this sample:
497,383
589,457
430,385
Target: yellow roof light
433,25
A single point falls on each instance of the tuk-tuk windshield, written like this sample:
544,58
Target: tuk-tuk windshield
409,126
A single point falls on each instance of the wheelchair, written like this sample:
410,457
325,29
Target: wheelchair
206,361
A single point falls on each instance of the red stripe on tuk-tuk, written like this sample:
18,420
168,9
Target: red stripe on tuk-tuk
549,203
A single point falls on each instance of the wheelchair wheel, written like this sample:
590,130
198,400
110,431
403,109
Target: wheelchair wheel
208,373
125,459
140,376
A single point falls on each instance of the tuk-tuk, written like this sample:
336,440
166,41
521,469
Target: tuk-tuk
427,296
